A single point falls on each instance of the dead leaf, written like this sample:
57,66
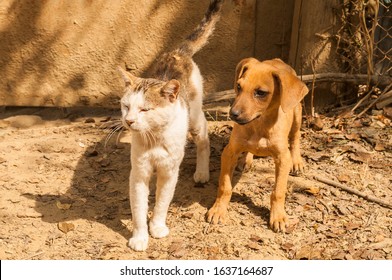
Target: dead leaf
333,131
379,124
177,249
343,209
352,226
213,250
292,225
388,112
312,190
65,227
339,256
225,129
318,156
63,206
308,253
254,246
387,242
188,215
287,246
379,147
256,238
362,157
357,123
344,178
353,136
317,124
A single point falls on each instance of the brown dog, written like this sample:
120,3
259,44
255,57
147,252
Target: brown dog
267,114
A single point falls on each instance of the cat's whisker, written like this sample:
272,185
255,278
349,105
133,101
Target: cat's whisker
114,129
109,125
147,138
151,137
119,134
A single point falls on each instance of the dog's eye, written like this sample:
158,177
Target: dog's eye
260,93
238,87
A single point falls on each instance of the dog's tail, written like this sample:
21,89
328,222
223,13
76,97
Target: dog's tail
199,37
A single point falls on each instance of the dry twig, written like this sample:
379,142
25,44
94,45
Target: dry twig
375,101
353,191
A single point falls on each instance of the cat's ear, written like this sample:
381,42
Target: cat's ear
171,90
128,78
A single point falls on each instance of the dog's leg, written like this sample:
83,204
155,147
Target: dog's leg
245,162
294,138
218,212
278,218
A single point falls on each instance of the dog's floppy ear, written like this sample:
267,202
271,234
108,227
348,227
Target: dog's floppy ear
241,68
291,89
128,78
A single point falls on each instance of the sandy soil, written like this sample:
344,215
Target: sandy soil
64,194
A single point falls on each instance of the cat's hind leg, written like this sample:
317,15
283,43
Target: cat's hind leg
166,184
198,126
199,131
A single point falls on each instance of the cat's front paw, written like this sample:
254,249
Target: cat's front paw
159,231
201,177
138,243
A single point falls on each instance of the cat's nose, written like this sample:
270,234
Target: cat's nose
130,122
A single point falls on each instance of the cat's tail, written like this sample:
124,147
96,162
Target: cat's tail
199,37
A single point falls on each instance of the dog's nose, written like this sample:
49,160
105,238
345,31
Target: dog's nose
234,114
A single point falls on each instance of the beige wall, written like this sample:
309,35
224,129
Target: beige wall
65,52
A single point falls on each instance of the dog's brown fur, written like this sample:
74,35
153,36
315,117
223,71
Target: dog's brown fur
267,114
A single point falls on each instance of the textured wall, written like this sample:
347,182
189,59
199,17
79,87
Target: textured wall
65,52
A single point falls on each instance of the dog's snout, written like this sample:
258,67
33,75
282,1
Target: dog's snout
234,113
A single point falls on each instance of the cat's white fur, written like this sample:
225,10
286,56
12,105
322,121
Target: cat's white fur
159,135
198,128
162,151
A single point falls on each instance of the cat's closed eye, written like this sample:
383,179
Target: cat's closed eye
145,109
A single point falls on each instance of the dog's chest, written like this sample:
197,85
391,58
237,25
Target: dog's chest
259,147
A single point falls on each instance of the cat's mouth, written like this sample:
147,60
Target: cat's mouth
130,126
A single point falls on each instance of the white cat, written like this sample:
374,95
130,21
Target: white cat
160,111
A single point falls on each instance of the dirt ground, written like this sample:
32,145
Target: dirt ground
64,193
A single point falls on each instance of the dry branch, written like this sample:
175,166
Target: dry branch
353,191
380,98
228,95
384,100
382,80
225,95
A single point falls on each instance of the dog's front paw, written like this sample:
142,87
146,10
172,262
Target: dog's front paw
278,219
159,231
201,176
138,243
298,166
217,214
